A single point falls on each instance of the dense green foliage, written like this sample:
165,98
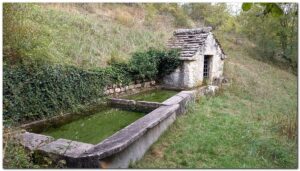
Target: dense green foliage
36,91
153,64
268,8
275,36
33,91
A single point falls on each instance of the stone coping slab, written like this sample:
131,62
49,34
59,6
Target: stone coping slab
129,134
179,97
135,105
33,141
66,147
40,125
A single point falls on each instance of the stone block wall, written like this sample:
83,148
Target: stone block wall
118,89
141,106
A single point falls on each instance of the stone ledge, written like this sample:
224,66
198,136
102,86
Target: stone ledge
34,141
179,97
40,125
65,147
142,106
129,134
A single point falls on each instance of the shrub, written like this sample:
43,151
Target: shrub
153,64
33,91
168,62
144,65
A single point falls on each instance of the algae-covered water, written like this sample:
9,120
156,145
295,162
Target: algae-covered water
95,128
157,95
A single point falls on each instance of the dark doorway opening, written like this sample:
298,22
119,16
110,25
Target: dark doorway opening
206,68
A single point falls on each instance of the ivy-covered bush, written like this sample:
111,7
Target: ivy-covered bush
33,91
144,64
153,64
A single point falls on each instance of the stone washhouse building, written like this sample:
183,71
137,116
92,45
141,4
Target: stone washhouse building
202,58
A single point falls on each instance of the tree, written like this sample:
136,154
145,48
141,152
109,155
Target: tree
273,28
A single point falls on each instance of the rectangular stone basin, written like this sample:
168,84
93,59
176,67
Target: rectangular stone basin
156,95
112,138
94,128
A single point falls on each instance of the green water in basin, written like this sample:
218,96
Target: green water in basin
157,95
95,128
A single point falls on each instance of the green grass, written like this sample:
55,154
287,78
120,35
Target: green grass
157,95
75,37
95,128
250,124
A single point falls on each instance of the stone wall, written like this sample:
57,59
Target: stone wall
217,63
119,89
190,73
140,106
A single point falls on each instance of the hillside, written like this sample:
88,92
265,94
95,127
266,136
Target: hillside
83,35
250,124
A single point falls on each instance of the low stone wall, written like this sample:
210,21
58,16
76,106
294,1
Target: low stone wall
118,89
140,106
125,146
40,125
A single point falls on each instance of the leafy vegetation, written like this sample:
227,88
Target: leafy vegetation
17,157
56,88
154,64
273,29
272,8
36,91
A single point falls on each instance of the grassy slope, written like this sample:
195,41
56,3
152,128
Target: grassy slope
250,124
85,35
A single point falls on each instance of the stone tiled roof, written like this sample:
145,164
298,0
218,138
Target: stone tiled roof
189,41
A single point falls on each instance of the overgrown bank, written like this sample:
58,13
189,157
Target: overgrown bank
35,91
